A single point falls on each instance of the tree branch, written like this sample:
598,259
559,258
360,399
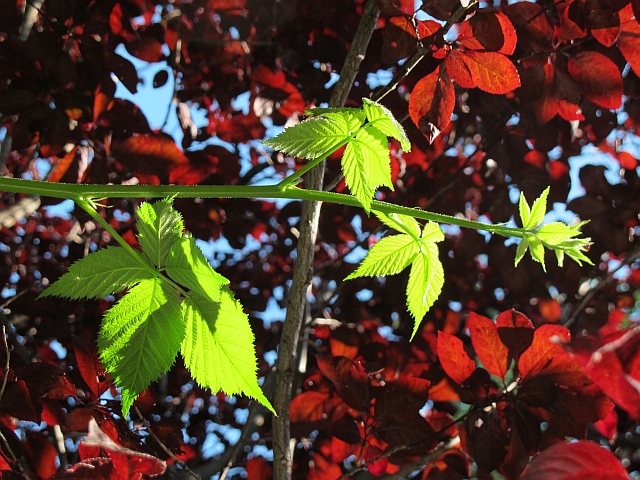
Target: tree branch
286,363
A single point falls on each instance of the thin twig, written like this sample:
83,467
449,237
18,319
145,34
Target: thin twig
6,364
166,449
15,297
579,308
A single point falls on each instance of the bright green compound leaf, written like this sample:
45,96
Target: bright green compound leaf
218,347
401,223
140,337
523,246
432,233
187,265
425,283
525,211
159,227
538,210
366,165
393,254
316,137
105,272
384,121
537,250
389,256
555,233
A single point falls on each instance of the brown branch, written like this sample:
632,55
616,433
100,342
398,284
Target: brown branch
580,307
286,363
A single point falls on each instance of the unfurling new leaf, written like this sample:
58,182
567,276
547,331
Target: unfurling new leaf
143,332
556,236
393,254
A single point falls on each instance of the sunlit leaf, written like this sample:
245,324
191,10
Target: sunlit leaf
159,227
218,346
105,272
140,337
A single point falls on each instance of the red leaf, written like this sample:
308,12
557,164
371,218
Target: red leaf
120,24
128,463
454,359
90,469
509,32
490,32
629,39
627,160
602,364
399,38
608,426
43,455
323,469
482,32
568,461
149,153
259,469
341,450
599,76
16,401
515,331
78,419
545,352
550,309
309,407
531,18
431,103
492,71
486,342
146,48
378,467
458,70
88,363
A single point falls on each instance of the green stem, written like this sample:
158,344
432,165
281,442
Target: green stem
84,192
85,202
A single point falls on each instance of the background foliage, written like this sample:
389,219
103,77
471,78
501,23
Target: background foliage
516,97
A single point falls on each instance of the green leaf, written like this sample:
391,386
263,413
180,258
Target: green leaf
140,337
356,112
366,165
538,210
159,227
401,223
187,265
523,246
425,283
218,347
432,233
555,233
314,138
384,121
537,250
389,256
525,212
105,272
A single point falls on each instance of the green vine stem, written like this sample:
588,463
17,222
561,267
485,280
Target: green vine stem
84,192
